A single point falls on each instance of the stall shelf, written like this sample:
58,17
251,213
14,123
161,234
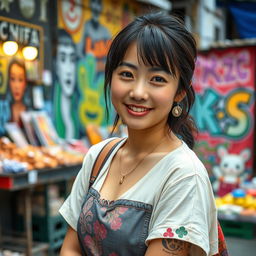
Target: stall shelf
238,225
25,182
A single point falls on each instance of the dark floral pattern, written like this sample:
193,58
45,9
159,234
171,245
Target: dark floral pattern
113,217
86,217
93,245
96,231
113,228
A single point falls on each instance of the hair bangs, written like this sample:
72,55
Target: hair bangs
154,49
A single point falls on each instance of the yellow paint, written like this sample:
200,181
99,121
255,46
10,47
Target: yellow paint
220,115
90,110
3,74
233,110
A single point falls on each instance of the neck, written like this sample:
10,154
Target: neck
18,103
141,141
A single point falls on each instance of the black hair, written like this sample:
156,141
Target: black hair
162,40
64,38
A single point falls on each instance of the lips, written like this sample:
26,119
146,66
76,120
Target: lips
137,110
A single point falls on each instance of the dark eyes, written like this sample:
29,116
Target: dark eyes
126,74
154,79
158,79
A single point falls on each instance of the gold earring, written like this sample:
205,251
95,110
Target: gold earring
177,110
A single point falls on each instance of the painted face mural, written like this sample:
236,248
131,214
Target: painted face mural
17,82
66,68
65,98
90,25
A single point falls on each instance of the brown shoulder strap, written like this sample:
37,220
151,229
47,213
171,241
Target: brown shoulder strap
102,158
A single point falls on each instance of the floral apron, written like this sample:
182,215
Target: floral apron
118,228
113,228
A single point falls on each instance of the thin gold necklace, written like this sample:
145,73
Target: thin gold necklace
137,164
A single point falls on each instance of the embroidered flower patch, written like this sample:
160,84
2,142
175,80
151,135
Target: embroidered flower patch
181,232
168,233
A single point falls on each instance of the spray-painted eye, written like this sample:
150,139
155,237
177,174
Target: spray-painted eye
238,167
225,165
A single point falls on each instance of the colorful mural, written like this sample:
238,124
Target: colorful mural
14,91
91,25
224,81
26,23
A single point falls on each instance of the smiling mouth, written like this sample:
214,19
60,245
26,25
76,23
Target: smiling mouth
138,110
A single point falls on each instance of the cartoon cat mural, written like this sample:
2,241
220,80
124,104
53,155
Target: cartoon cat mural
231,171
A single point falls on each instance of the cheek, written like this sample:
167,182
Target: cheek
165,99
117,91
23,86
20,86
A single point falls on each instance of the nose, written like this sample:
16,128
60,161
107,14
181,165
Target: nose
16,84
139,91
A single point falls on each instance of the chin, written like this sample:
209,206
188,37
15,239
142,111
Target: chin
136,125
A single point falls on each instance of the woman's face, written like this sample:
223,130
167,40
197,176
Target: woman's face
17,82
142,95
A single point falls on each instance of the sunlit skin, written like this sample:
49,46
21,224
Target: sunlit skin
17,83
149,89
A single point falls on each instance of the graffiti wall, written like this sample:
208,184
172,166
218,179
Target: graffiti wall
224,109
85,30
26,23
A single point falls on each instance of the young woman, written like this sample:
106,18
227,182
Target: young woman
153,195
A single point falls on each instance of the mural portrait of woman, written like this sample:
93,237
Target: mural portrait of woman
17,86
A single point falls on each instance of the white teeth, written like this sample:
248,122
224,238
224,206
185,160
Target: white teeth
136,109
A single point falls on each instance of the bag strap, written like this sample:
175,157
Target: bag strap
102,158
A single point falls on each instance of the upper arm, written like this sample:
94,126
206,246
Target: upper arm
186,211
168,247
70,246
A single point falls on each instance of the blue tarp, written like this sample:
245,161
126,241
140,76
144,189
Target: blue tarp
245,18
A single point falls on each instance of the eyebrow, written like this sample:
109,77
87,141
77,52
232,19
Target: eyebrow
152,69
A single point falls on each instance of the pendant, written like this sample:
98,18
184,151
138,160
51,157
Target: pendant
121,180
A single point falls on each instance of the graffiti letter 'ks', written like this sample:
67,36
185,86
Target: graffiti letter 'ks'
234,103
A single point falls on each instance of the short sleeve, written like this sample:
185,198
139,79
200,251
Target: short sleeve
71,208
186,210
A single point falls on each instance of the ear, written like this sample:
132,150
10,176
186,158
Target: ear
180,96
222,151
245,154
